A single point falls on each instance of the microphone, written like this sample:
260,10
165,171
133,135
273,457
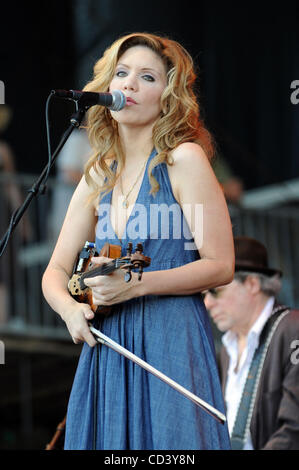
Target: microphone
114,101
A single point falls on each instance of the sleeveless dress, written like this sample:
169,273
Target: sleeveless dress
114,403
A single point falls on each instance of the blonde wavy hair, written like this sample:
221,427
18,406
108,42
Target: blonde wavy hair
179,120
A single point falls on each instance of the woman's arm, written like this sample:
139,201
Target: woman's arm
78,227
194,183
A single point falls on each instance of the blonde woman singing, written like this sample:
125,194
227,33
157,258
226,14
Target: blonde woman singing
149,181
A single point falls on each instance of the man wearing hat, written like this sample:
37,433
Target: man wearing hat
259,366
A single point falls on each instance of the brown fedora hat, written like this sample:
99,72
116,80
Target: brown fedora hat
251,255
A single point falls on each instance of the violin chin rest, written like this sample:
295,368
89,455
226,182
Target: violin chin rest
74,285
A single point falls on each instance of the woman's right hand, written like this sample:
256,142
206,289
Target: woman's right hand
76,319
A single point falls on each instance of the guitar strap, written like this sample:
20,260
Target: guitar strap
241,427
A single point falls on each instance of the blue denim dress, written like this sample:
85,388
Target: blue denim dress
114,403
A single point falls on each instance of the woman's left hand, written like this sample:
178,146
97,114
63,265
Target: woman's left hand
112,288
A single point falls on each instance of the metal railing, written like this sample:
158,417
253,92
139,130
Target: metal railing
23,309
25,259
278,230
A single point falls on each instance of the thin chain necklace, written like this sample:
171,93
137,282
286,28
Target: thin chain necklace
125,202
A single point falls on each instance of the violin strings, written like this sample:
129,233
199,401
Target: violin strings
106,269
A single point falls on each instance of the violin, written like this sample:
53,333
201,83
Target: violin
85,269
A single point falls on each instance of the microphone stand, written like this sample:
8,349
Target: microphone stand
75,121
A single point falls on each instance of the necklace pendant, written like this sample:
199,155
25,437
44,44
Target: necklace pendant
125,204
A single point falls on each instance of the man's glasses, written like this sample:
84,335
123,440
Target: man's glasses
214,292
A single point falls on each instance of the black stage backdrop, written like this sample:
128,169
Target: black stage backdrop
247,58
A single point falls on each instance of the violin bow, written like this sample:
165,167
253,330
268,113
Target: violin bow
103,339
106,268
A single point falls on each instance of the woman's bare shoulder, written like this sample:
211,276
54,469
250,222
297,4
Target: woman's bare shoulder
189,161
189,152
